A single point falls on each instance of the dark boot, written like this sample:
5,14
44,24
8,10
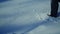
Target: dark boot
53,16
54,8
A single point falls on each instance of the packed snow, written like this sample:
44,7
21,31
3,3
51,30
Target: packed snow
27,17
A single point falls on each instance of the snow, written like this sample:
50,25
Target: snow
27,17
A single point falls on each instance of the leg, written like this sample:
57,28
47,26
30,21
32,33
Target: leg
59,0
54,8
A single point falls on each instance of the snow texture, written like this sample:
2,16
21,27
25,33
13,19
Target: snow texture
27,17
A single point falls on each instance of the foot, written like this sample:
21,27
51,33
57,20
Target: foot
53,16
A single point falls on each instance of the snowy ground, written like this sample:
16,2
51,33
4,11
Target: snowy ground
27,17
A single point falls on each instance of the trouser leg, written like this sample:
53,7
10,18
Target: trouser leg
54,7
59,0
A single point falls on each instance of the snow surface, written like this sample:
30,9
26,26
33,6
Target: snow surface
27,17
